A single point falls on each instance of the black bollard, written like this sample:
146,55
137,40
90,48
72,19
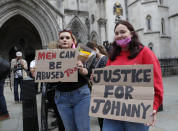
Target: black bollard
29,106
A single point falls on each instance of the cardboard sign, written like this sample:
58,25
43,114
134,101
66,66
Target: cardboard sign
126,110
135,75
123,93
56,65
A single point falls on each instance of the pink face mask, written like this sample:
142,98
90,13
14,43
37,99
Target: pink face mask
124,42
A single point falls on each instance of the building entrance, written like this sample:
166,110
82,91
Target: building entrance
19,34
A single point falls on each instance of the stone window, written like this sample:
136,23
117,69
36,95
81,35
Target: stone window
150,45
148,22
161,2
163,26
92,18
94,37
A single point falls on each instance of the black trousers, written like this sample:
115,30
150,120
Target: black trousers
50,97
100,121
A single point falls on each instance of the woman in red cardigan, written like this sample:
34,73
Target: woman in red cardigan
128,50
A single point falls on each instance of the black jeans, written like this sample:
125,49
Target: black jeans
17,81
3,107
50,97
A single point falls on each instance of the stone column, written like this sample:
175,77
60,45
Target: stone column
102,29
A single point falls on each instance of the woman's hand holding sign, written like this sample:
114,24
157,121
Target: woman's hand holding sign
154,115
81,69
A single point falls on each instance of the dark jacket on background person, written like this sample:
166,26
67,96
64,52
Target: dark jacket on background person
4,68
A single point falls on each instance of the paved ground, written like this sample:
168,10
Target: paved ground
166,121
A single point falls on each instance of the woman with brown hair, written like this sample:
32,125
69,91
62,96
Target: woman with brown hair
128,50
99,62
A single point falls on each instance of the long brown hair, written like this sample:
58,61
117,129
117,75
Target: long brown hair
92,45
102,50
135,45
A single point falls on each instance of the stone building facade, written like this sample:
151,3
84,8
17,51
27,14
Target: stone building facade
28,25
76,18
155,23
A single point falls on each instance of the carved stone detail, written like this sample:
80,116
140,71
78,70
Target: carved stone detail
102,21
79,30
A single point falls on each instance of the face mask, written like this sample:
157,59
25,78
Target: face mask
124,42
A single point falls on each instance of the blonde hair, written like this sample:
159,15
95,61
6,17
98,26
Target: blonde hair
53,45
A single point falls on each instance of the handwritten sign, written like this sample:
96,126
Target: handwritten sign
124,75
123,93
56,65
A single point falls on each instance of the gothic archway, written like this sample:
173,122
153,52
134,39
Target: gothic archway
79,30
94,37
19,34
37,12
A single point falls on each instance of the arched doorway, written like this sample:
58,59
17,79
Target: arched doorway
19,34
94,37
79,30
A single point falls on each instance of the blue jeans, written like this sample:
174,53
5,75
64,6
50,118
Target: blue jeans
116,125
17,81
74,108
3,107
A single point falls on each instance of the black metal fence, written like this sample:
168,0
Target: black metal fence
169,66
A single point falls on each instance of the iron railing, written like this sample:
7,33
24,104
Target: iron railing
169,66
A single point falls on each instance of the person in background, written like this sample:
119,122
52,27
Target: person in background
99,62
107,45
32,75
18,67
50,94
128,50
32,68
73,98
101,56
4,72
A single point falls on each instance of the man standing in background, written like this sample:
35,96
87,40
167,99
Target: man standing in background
18,67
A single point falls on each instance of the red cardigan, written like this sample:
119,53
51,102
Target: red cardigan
146,56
